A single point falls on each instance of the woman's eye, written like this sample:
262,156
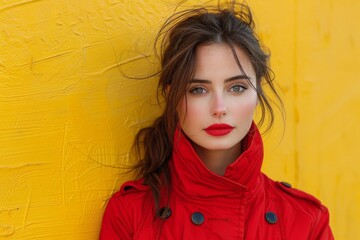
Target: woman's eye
237,88
197,90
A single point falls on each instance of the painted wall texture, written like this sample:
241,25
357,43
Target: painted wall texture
68,114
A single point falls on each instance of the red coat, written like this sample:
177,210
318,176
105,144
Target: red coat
242,204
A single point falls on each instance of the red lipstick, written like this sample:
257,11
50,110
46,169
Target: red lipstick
219,129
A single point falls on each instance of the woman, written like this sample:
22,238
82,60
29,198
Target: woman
200,161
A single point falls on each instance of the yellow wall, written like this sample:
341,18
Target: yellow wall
68,115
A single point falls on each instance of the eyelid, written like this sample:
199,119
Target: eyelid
242,86
240,81
194,87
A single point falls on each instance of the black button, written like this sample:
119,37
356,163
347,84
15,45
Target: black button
288,185
197,218
271,217
165,213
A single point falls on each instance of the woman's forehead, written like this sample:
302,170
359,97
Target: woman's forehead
219,60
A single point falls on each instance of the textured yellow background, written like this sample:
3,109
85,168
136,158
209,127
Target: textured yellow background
68,116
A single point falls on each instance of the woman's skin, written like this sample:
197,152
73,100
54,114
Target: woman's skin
218,94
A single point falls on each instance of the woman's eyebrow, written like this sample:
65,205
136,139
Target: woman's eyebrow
196,80
238,77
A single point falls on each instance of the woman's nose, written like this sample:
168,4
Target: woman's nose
219,106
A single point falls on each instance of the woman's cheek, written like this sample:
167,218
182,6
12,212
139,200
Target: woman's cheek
182,111
194,111
246,109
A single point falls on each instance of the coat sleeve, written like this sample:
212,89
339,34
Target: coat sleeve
116,224
322,229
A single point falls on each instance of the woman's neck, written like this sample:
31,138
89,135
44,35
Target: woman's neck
218,160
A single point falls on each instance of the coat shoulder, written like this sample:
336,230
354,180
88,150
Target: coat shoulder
124,211
298,194
130,203
284,191
294,205
133,187
131,192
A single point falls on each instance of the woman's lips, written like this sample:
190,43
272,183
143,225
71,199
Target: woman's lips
219,129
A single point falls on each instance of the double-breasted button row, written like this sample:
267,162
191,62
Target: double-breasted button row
198,218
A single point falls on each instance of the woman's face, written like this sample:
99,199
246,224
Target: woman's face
217,110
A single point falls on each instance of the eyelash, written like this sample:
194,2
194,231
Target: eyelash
194,90
243,88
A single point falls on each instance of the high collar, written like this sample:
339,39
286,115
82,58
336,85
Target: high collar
189,173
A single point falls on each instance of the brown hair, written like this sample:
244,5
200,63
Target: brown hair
177,41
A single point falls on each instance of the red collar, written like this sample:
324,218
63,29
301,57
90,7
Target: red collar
189,174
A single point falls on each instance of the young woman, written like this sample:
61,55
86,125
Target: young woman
200,161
